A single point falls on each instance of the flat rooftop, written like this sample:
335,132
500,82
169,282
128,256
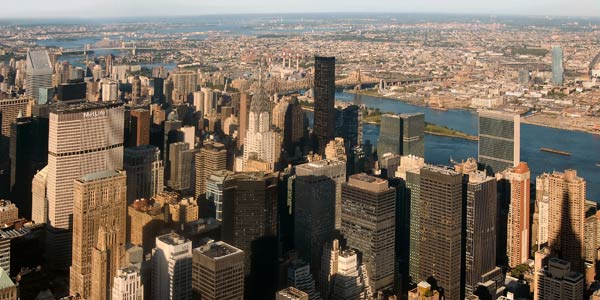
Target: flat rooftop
216,250
172,239
98,175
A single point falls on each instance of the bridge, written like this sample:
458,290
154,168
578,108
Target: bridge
594,62
356,79
132,48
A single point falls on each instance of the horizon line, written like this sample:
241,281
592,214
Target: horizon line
432,13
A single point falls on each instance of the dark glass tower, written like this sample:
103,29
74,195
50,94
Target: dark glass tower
499,140
324,95
368,223
28,154
402,134
441,220
347,126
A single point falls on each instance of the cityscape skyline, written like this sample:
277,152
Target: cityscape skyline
29,9
324,157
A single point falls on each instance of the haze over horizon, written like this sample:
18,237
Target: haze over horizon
138,8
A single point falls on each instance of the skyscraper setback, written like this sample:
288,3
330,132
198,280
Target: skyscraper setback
99,216
324,95
84,138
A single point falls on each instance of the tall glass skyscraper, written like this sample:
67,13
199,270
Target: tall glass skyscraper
557,65
499,140
324,102
39,73
402,134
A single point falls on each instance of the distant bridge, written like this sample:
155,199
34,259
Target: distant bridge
594,62
132,49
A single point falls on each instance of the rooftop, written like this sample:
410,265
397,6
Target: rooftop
217,250
5,280
98,175
172,239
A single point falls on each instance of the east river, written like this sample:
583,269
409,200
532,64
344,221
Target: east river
584,147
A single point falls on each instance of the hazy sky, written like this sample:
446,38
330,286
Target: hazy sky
121,8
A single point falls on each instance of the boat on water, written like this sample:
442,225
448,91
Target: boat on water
598,165
559,152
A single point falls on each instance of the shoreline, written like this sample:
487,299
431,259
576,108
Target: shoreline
458,135
524,119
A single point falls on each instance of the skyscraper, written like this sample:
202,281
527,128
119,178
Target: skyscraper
145,221
295,126
413,134
211,157
172,268
299,276
28,154
39,73
499,140
249,211
324,95
140,127
145,172
559,282
440,247
10,111
180,167
218,272
567,217
127,285
347,125
318,207
349,280
84,138
245,100
541,220
480,239
262,144
99,216
410,171
518,226
557,66
368,223
214,191
402,134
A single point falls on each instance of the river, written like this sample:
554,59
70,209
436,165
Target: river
584,147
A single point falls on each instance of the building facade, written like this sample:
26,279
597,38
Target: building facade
84,138
218,272
499,140
145,172
368,223
99,224
324,95
440,223
480,239
172,268
567,217
211,157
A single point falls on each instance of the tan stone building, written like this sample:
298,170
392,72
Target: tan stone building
99,212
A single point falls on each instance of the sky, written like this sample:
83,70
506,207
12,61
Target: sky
138,8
